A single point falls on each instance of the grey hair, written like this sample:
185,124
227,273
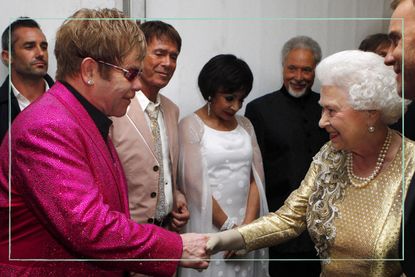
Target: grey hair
301,42
371,84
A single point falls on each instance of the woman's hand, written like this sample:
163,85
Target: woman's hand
230,253
227,240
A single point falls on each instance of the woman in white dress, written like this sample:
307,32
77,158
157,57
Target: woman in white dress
220,168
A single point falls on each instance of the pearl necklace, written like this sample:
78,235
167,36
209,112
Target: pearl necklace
363,181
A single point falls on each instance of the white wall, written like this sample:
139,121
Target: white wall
49,14
253,30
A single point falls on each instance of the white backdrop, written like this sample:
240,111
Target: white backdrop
253,30
49,14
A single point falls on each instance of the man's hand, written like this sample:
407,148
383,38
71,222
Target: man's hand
194,251
180,215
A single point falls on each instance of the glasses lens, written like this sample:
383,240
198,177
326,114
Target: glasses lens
131,74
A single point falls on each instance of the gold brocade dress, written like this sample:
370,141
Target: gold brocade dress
356,230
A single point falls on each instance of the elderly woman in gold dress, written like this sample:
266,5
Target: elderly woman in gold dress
350,201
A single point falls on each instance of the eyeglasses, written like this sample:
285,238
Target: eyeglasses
129,74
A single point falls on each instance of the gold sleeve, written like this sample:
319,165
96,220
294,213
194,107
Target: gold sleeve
287,222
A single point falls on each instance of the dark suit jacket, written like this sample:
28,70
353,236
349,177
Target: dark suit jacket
409,222
289,136
409,122
4,105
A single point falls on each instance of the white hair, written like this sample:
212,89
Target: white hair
371,84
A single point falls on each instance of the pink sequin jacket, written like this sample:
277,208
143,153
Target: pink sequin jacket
69,200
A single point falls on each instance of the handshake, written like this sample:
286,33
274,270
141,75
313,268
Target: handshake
197,248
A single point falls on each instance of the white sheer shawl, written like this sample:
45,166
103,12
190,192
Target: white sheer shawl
193,179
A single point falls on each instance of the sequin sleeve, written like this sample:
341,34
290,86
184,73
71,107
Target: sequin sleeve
287,222
65,181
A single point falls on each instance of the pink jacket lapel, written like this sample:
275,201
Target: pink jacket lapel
169,122
136,116
86,123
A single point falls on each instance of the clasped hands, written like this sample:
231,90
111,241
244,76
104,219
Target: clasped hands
197,248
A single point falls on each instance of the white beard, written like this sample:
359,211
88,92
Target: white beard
296,94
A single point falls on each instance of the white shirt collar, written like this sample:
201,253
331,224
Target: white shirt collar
144,101
21,99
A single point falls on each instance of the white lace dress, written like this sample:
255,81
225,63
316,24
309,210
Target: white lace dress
227,158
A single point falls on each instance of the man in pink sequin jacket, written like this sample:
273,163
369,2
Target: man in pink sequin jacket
65,211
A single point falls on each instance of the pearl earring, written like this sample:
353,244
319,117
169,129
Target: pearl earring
371,129
90,82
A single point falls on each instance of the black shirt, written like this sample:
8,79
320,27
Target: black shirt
102,122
